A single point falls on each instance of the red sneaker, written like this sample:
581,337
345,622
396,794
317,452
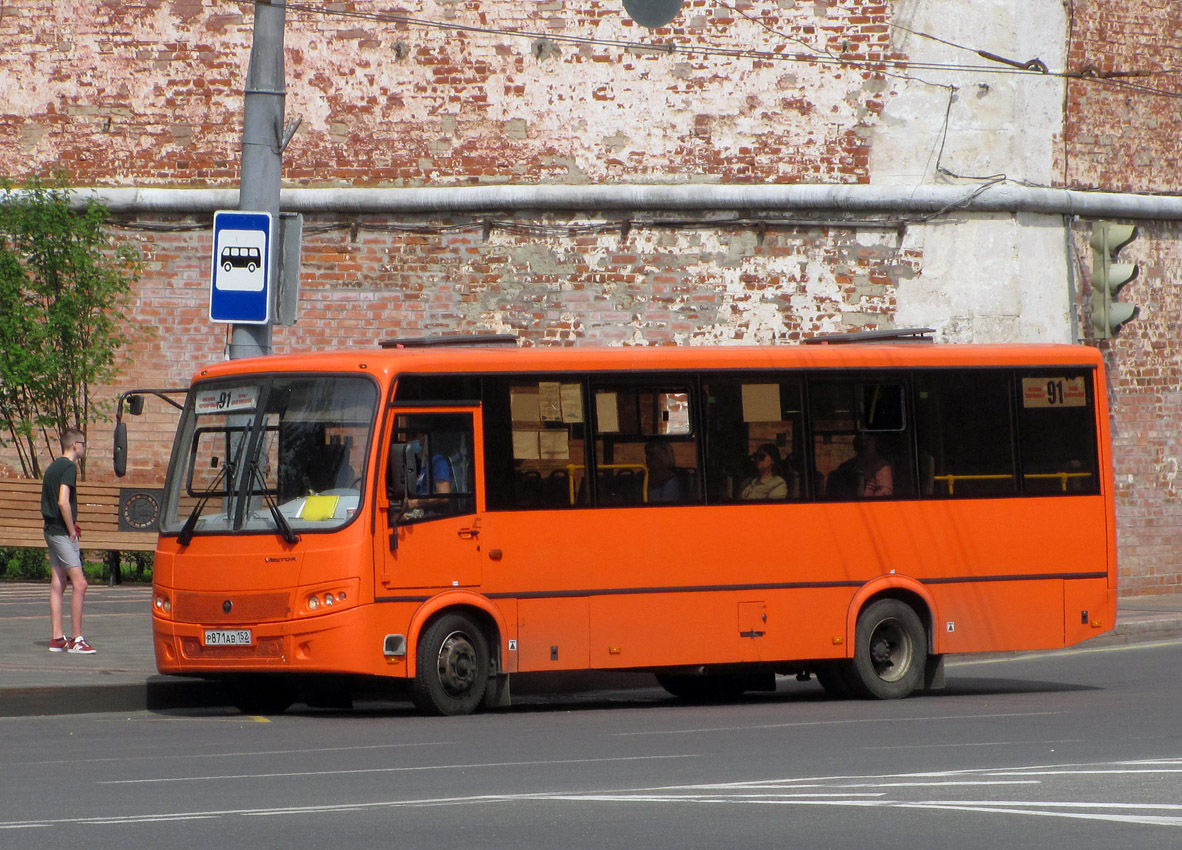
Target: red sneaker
79,646
59,644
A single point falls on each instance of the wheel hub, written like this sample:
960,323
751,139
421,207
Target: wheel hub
457,664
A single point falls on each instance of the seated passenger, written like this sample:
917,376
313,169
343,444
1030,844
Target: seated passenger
767,483
663,483
867,475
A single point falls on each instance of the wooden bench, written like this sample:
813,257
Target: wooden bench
98,515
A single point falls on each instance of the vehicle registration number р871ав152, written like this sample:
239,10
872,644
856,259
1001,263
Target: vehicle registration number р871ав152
227,637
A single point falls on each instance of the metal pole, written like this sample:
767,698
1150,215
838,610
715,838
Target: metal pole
262,152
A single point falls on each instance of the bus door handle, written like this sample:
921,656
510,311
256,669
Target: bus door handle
469,533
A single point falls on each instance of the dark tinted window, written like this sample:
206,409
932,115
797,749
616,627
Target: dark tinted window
1057,432
964,429
861,438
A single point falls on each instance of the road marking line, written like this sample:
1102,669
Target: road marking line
387,769
864,720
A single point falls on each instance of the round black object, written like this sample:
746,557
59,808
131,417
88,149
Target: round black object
652,13
452,666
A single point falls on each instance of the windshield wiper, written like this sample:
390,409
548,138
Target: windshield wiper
190,526
285,530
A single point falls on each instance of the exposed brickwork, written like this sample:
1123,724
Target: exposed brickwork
1118,135
1145,366
150,93
1118,138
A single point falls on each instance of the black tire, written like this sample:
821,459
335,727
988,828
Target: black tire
262,695
890,651
834,677
226,267
452,670
250,267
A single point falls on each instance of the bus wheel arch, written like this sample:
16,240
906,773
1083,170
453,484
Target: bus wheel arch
456,657
891,648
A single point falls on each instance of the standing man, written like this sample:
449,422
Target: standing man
59,509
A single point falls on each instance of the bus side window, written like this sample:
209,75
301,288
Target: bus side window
754,426
965,435
535,446
1057,433
646,449
861,438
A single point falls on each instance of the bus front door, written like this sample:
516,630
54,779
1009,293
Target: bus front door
429,520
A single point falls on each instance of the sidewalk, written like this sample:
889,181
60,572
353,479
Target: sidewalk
122,675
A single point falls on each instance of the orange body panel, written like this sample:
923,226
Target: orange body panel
649,587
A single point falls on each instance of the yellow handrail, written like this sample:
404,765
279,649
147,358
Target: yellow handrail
1063,477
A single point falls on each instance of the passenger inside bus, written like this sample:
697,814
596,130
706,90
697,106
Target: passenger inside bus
767,482
867,475
663,483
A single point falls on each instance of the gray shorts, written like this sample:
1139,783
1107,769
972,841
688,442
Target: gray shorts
63,552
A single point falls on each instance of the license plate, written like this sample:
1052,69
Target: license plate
227,637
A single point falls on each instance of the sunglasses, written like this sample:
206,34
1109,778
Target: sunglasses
759,456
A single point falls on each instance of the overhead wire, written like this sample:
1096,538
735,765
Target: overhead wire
673,47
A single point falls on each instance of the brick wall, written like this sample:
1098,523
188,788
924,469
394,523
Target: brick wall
150,93
1120,137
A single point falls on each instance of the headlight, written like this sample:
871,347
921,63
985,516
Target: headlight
313,603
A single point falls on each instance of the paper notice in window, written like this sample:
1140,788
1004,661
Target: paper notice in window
761,403
572,402
525,445
319,508
607,413
550,401
525,406
554,445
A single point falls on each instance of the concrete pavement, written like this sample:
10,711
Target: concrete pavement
122,676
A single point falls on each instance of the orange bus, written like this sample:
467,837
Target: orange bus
450,516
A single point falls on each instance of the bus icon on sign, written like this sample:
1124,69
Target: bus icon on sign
240,257
234,257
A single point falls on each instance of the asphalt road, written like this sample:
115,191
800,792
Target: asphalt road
1077,749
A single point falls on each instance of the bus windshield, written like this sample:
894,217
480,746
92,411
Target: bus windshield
271,454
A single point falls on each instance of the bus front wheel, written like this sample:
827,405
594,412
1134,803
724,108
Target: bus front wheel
890,651
452,667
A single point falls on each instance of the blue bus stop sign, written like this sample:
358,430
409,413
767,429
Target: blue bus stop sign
240,290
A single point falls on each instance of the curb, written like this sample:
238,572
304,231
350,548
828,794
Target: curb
157,693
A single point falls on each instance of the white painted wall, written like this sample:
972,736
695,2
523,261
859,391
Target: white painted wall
982,279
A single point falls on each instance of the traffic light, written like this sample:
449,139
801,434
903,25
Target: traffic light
1108,276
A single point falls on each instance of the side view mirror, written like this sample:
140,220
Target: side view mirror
135,404
403,472
120,454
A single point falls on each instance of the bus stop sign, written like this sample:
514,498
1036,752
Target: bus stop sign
240,290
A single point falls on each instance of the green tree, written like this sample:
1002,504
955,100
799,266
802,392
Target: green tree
64,288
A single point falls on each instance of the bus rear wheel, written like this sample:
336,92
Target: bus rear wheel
451,676
890,651
834,677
